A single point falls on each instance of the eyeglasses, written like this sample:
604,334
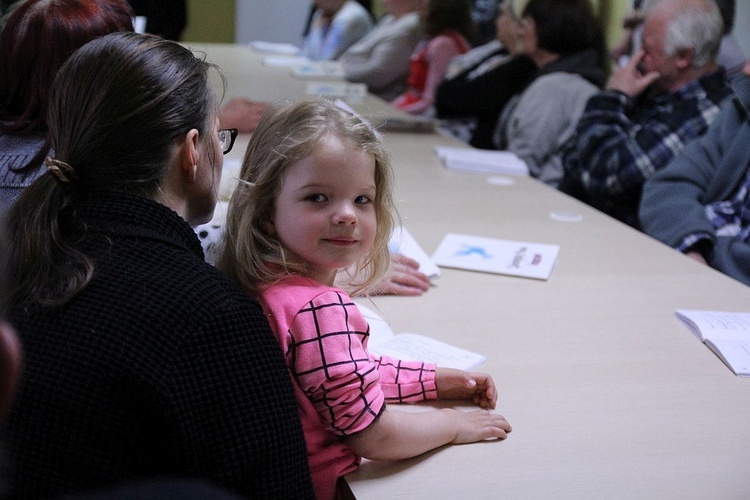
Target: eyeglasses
226,139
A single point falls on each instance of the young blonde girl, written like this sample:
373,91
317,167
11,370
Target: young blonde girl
314,198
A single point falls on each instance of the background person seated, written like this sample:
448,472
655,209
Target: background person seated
136,351
665,97
381,58
478,84
335,26
51,31
448,27
565,41
699,203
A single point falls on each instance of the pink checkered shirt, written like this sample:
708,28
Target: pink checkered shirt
341,388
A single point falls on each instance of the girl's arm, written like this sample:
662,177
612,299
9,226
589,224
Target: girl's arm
397,435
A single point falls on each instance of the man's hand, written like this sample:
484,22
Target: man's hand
629,79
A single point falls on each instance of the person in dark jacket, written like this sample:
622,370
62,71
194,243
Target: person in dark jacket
479,84
564,39
164,18
140,359
698,203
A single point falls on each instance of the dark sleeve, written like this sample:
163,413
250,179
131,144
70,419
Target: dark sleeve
486,95
166,18
673,203
234,407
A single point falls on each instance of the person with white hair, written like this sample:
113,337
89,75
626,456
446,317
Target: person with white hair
664,97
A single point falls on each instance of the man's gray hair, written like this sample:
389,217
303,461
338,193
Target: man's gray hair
698,25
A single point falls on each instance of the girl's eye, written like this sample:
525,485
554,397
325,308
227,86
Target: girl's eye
362,199
317,198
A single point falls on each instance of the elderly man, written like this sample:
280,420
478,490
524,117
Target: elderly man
666,96
700,203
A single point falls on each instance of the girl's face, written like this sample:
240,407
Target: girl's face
325,211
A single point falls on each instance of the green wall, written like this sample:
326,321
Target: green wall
210,21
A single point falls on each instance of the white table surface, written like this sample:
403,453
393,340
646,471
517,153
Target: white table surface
610,396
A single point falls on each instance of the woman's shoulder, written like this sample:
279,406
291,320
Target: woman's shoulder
408,22
553,85
20,143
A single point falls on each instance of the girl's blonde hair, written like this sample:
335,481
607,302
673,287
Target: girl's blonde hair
252,256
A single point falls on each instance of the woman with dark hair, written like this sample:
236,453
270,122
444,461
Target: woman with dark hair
478,84
448,27
38,37
564,39
140,359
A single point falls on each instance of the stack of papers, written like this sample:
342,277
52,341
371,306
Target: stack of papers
274,48
318,69
285,61
345,90
482,161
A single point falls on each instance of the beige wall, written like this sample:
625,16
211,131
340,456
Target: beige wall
210,21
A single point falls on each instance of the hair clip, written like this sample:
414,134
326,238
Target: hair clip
62,170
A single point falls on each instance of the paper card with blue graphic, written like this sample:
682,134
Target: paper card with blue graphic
491,255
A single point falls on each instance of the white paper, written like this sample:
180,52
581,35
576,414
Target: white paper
274,48
716,324
318,69
725,333
482,161
349,91
415,347
404,243
734,353
284,61
491,255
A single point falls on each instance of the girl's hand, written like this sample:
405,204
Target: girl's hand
458,384
477,425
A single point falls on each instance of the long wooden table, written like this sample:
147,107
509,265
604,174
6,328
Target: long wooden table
609,394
